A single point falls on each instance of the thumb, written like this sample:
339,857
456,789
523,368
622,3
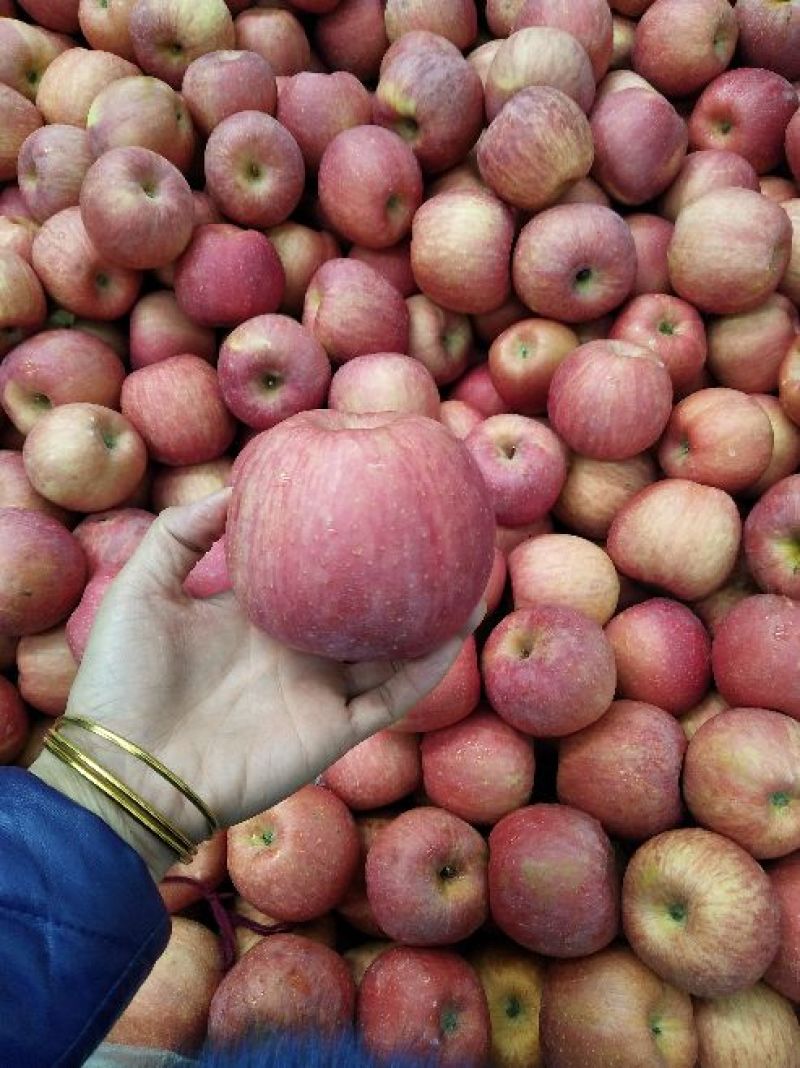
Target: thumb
176,541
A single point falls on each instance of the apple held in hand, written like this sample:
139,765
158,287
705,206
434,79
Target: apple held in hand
400,532
700,912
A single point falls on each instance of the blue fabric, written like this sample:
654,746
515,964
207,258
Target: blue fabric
81,925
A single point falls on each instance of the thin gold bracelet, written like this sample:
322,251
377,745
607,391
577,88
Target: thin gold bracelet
146,758
122,795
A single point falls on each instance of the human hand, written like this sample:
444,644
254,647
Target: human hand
240,717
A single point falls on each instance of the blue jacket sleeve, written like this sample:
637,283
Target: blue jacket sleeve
81,925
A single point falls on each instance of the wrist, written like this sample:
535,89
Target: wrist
157,856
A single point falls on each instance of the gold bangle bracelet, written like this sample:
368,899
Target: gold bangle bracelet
146,758
122,795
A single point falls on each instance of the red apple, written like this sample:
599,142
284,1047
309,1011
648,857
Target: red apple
461,250
271,367
651,236
790,284
22,301
284,982
84,457
612,1009
538,145
681,45
275,860
539,55
523,359
746,111
700,912
671,329
277,36
481,59
159,329
177,407
381,770
770,534
789,382
353,37
207,867
167,35
51,166
769,36
548,670
574,262
508,538
625,770
501,15
12,203
432,97
610,400
384,382
17,234
745,351
219,84
585,191
254,169
552,881
755,1024
184,485
394,263
786,446
302,251
783,973
352,310
170,1009
390,609
321,930
459,417
60,15
314,108
144,112
523,465
718,437
640,143
452,700
73,80
16,490
595,490
677,535
209,576
713,608
79,625
704,171
426,878
25,53
354,906
476,389
43,572
77,275
479,769
426,1002
107,25
247,272
46,670
457,20
512,980
589,22
561,569
14,725
137,208
385,171
109,539
740,780
711,705
663,654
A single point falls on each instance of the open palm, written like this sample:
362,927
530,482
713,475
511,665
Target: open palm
240,717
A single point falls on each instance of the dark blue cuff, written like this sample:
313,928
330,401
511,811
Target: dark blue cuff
81,925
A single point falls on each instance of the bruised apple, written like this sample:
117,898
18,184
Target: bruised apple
381,534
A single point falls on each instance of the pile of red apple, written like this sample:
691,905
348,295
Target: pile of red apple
568,232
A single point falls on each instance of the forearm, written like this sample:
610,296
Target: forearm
81,923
